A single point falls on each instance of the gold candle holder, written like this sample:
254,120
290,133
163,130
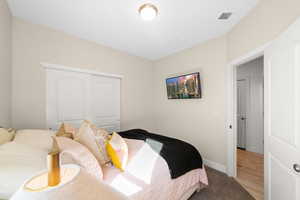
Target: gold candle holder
53,164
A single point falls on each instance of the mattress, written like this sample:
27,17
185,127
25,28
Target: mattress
147,176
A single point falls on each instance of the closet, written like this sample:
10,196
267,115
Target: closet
74,95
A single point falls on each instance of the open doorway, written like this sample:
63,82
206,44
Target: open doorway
250,126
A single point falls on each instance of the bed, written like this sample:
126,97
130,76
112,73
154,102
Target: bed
146,177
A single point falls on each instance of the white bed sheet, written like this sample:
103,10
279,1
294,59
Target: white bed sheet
18,162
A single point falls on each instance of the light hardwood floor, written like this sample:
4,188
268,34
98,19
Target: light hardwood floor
250,172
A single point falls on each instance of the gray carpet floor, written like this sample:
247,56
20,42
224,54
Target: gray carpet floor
221,187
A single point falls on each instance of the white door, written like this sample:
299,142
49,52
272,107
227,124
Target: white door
282,117
105,102
242,89
67,100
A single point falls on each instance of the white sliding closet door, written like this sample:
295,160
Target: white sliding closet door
67,100
105,102
75,96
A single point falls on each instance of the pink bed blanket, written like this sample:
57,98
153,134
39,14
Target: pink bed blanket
147,176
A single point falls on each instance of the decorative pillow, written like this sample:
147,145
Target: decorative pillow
36,138
12,131
86,136
74,152
55,147
101,137
6,135
117,150
66,130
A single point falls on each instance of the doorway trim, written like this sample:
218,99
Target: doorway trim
231,128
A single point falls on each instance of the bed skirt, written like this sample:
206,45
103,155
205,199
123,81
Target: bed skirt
192,190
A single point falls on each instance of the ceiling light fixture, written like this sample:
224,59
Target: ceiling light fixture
148,11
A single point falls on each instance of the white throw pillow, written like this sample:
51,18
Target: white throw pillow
5,136
36,138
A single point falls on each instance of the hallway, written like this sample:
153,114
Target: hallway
250,172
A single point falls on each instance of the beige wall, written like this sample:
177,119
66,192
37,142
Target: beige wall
5,64
200,122
262,25
33,44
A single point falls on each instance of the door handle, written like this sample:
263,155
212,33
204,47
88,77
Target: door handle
297,168
243,118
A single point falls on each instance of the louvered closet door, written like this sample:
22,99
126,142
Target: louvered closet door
105,102
67,98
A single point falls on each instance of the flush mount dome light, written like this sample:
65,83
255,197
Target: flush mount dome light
148,11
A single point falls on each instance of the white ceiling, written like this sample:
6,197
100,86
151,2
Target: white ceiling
115,23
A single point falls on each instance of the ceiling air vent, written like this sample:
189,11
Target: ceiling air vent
225,16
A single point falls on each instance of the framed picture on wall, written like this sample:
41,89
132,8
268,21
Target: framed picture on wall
184,87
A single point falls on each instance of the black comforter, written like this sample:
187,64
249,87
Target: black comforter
181,157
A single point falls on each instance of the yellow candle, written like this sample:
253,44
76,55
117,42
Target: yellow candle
53,165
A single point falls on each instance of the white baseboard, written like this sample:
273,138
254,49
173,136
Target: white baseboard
215,165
